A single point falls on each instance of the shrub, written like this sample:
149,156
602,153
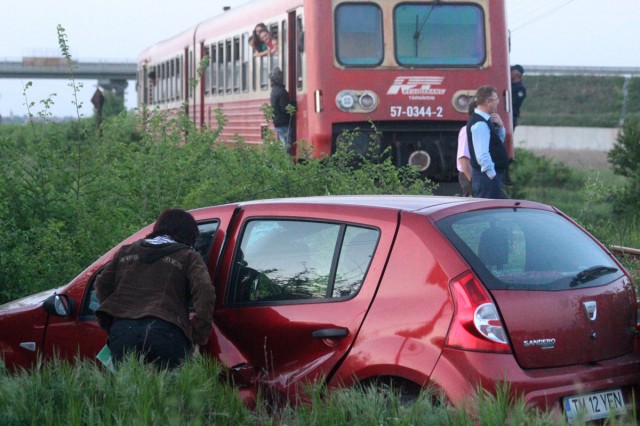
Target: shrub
625,160
531,171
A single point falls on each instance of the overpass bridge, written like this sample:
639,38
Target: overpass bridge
110,75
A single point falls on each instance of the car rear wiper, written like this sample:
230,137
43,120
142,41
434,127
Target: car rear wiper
591,274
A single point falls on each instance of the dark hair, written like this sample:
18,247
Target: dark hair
472,107
276,76
255,41
518,68
484,93
177,224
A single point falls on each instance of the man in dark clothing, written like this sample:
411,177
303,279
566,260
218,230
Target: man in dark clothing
279,102
145,293
518,92
486,133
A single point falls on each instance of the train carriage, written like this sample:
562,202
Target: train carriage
407,68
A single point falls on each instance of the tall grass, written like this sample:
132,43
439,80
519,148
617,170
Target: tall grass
83,394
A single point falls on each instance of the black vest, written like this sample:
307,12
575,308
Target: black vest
497,150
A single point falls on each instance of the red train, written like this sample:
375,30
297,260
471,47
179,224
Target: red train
410,68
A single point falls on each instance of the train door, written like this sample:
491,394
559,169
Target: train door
292,63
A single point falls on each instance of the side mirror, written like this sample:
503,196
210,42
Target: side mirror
60,305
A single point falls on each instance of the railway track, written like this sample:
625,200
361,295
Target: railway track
625,251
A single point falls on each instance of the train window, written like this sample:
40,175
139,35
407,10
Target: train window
190,73
178,77
358,33
153,83
212,71
220,68
236,64
163,82
174,77
436,34
207,74
228,66
172,82
300,50
263,64
246,54
283,45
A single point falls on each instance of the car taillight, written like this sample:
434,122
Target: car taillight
476,324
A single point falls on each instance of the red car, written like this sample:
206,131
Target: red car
453,293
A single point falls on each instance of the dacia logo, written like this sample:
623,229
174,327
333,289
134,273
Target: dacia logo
542,343
416,86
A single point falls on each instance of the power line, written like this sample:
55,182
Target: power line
537,18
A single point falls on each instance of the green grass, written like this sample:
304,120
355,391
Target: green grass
579,101
80,394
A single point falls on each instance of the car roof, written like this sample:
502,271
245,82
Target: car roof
414,203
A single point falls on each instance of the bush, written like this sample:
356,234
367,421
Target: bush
625,160
532,171
71,192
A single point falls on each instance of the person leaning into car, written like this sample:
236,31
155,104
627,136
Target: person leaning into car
146,290
486,134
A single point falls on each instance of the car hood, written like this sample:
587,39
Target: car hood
28,301
568,327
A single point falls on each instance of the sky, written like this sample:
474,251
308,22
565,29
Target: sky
543,33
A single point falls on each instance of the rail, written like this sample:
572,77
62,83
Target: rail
625,250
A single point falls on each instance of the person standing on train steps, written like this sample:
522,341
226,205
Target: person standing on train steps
518,92
280,105
486,134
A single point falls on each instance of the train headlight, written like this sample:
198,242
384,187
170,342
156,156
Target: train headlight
368,101
461,100
346,100
357,101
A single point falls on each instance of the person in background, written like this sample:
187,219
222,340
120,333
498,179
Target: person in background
488,154
146,290
259,47
269,40
518,92
279,103
462,159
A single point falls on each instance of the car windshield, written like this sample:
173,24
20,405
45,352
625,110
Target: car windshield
527,249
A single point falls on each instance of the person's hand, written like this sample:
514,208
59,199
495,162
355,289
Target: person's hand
497,120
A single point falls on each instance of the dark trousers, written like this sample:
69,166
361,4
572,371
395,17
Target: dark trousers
159,342
465,185
484,187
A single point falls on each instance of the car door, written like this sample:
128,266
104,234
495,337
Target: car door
298,282
80,334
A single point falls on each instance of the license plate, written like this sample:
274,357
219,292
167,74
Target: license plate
593,406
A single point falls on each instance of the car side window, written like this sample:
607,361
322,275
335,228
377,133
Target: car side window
203,246
300,261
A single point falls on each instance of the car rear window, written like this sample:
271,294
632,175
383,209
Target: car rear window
527,249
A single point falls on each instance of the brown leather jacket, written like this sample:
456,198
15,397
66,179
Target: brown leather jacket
162,281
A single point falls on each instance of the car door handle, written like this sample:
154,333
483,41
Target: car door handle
330,333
